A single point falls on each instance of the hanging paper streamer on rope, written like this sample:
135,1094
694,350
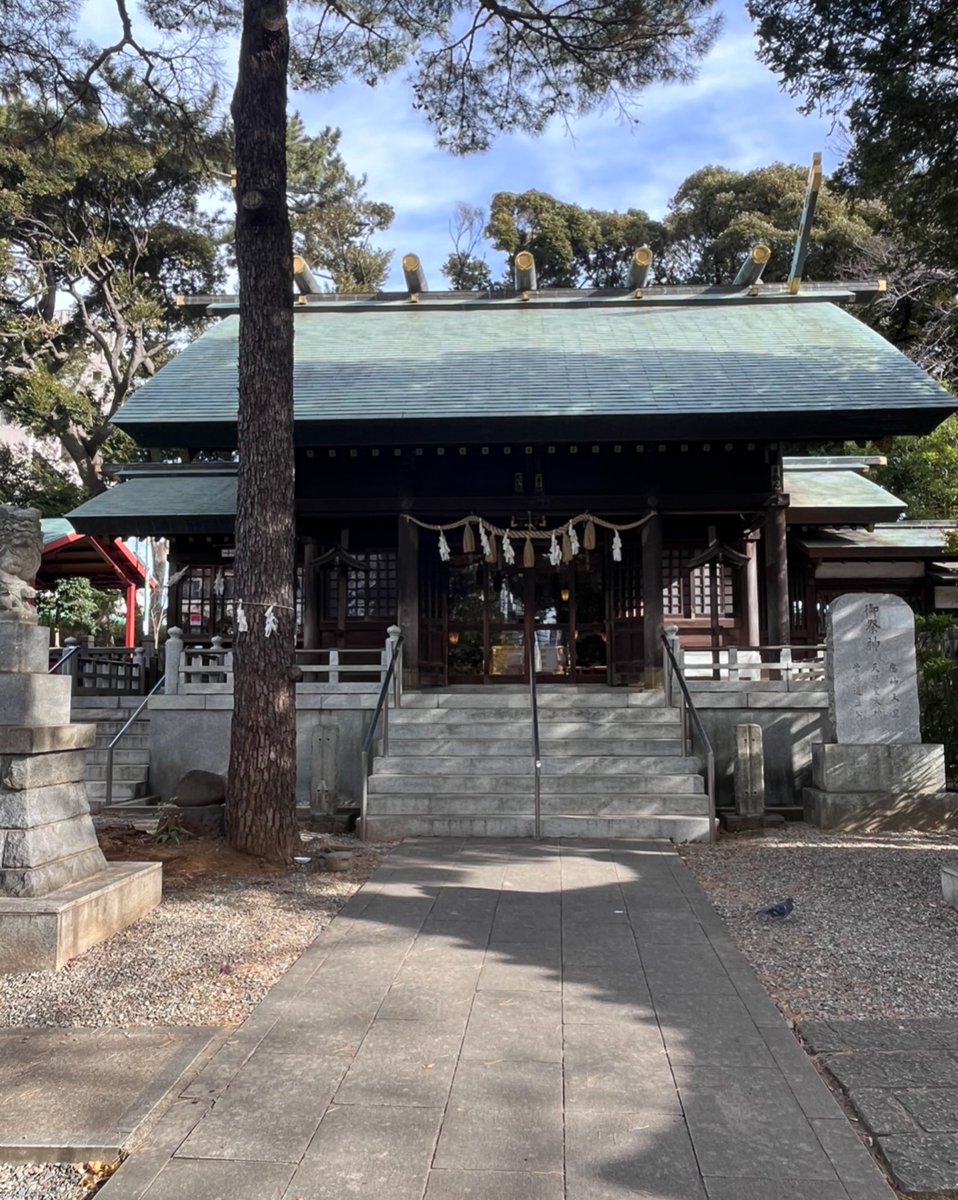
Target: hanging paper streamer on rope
242,626
270,623
558,552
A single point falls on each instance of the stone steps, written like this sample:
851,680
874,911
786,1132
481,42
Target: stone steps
613,765
480,766
122,771
556,785
138,808
131,755
123,789
670,828
522,745
607,732
518,698
121,754
521,804
549,718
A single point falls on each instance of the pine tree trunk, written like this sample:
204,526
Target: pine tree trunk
261,797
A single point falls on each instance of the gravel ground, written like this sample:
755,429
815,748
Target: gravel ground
224,934
32,1180
869,937
205,956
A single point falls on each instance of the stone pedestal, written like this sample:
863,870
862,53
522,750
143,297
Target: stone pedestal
865,788
877,774
58,896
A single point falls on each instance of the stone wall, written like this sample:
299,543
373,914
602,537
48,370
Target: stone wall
192,731
792,721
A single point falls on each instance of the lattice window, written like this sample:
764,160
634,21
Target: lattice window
203,602
689,593
370,595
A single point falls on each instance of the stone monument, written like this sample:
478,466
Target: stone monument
58,895
877,774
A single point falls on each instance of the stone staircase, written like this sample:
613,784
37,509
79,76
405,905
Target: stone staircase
131,758
460,764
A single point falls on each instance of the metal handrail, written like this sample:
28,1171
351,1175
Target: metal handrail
108,798
536,749
60,661
688,710
393,675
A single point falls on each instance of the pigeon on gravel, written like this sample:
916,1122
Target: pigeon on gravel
779,911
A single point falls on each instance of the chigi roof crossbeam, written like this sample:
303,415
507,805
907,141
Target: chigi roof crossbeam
844,292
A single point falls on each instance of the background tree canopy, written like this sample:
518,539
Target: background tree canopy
889,72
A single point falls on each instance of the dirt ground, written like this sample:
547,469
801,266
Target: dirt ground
201,863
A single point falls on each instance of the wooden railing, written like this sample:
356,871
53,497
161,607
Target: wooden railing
104,670
756,664
210,668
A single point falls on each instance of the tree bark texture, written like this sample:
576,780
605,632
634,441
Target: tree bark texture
261,797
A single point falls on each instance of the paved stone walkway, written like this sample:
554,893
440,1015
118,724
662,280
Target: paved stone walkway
901,1077
511,1021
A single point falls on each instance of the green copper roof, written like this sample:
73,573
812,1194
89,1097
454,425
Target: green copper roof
375,374
827,496
915,539
54,528
165,503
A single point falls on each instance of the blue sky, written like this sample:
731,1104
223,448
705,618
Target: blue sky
735,114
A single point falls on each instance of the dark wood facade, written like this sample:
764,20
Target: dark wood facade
364,566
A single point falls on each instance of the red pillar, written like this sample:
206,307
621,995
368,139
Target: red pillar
130,635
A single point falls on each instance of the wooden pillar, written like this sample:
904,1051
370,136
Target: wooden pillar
311,635
776,572
407,615
652,623
130,634
753,625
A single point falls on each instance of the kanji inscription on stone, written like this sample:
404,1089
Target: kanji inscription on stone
872,678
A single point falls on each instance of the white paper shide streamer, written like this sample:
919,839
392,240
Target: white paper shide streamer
508,550
573,540
484,540
443,547
617,548
242,626
270,623
555,551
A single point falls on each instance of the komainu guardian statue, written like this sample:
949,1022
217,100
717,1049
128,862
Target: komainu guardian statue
21,544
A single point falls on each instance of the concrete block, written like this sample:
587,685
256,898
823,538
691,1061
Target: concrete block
749,771
46,843
35,699
869,812
160,702
22,771
44,739
45,933
24,648
33,882
42,806
913,769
